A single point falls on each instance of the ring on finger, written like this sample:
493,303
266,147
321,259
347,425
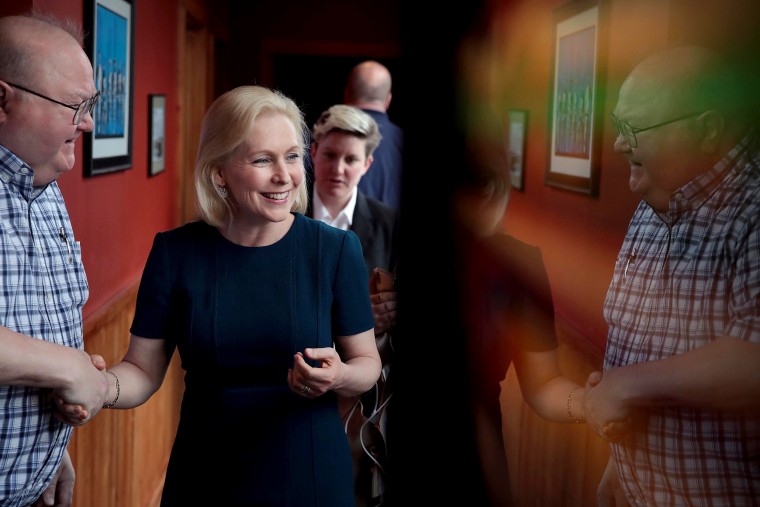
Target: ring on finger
306,389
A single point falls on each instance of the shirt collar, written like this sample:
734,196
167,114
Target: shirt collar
344,218
15,172
693,194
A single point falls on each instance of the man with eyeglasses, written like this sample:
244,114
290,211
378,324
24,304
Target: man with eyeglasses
679,398
47,93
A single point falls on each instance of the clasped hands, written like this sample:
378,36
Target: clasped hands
604,406
88,390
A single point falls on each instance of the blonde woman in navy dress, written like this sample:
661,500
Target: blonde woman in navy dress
270,313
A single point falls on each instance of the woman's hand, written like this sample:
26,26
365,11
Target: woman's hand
312,381
76,414
604,409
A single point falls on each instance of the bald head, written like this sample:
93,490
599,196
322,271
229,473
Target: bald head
27,41
676,79
369,86
689,79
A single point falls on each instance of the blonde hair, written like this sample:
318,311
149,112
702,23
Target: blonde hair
226,125
349,120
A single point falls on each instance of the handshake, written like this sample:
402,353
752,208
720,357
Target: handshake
85,390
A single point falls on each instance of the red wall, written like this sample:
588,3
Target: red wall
508,65
115,216
510,62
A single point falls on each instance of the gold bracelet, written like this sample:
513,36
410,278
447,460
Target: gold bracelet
569,398
118,391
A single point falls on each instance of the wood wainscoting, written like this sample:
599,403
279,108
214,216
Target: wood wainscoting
552,464
120,457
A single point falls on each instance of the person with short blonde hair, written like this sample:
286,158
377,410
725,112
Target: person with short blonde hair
350,120
344,139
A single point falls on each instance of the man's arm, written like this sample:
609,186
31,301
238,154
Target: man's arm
722,375
37,363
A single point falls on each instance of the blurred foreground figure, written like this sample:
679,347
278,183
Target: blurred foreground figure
509,319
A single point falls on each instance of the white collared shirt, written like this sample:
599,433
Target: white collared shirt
345,217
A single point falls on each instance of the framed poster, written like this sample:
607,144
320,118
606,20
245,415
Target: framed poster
516,138
156,134
576,101
110,25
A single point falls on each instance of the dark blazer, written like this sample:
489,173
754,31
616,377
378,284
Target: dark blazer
377,226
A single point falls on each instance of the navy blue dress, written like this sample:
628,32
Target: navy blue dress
237,315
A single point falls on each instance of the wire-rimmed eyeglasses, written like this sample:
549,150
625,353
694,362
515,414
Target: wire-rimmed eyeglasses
83,108
629,132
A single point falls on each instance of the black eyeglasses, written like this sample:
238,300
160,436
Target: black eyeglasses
85,107
625,130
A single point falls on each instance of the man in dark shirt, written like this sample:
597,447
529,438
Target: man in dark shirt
369,88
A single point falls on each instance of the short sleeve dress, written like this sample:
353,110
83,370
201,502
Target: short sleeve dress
237,315
508,306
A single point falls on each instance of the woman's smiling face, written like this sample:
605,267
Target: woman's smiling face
265,171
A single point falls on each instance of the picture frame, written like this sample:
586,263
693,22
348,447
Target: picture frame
110,25
516,131
577,98
156,133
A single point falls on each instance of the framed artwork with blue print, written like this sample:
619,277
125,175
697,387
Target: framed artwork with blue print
110,28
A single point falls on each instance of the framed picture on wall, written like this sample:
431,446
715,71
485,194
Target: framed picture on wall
576,100
517,125
157,134
110,43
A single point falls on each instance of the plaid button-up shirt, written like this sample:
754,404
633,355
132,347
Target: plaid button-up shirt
42,292
681,281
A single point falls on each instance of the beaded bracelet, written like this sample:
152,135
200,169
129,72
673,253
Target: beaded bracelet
118,391
569,398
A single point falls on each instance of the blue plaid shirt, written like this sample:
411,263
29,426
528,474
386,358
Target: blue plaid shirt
681,281
43,290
